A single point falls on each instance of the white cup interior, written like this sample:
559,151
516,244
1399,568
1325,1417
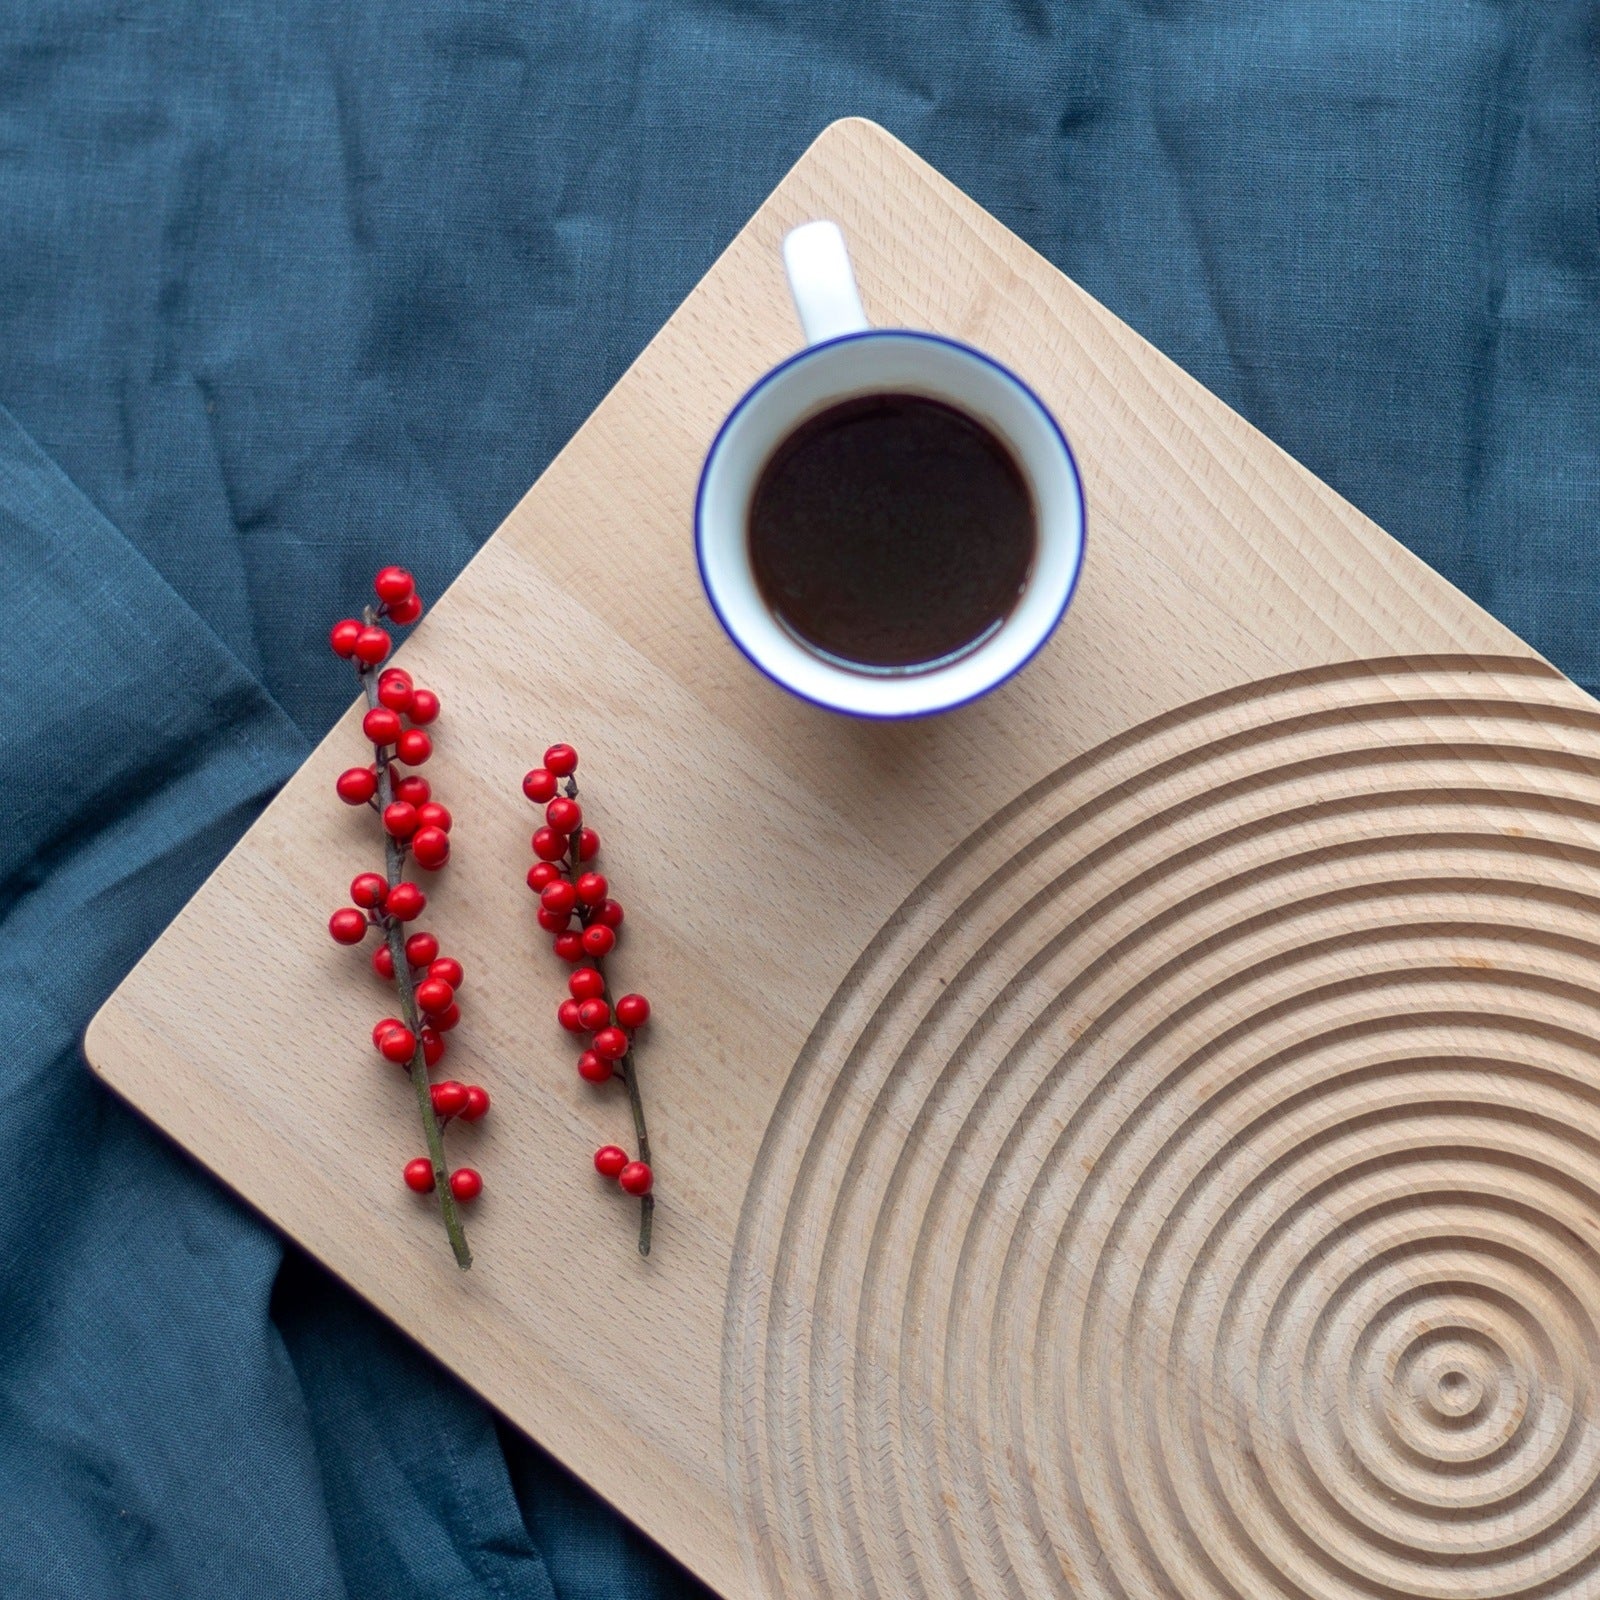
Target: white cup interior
865,363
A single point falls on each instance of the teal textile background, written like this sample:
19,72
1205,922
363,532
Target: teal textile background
289,290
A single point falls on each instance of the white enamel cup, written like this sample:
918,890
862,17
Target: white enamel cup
845,357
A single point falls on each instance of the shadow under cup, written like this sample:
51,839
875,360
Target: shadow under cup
883,361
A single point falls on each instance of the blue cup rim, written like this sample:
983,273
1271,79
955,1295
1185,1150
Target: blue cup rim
808,353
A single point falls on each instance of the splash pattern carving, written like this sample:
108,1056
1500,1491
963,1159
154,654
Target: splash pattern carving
1194,1190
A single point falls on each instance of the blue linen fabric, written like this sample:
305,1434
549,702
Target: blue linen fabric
289,290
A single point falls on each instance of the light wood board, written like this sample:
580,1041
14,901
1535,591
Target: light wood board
1135,1135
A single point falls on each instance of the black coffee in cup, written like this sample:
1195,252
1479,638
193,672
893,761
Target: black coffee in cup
892,532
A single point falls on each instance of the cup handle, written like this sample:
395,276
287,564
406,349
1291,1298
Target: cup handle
822,283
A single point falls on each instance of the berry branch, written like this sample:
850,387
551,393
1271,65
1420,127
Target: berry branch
414,826
567,889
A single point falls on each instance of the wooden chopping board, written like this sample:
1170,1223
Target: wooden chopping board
1136,1135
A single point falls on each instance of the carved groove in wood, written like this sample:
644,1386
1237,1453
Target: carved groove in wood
1194,1190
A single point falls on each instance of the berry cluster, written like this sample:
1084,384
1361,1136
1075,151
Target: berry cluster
576,909
416,828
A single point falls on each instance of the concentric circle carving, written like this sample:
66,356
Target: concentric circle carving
1194,1190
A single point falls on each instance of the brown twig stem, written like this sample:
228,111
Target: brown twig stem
394,933
647,1202
624,1069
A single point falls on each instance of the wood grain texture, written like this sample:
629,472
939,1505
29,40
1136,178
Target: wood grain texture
1135,1135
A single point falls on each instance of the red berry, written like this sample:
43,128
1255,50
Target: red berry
449,1098
610,914
396,675
422,948
465,1184
413,747
393,583
569,945
477,1103
588,844
445,1020
381,725
561,759
431,848
559,897
541,873
552,921
398,1045
539,786
405,901
347,925
592,888
633,1011
432,1046
371,646
593,1068
609,1160
548,845
448,968
563,814
342,638
419,1175
567,1016
434,815
394,692
586,984
435,995
381,1027
593,1013
413,790
356,786
400,819
598,940
424,706
383,961
636,1178
406,611
368,889
611,1043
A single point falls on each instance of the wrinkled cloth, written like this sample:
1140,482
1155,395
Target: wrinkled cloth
291,290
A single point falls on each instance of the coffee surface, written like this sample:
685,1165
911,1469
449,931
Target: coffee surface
891,532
